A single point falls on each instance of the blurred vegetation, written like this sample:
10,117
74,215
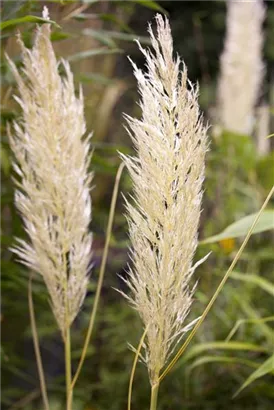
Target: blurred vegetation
235,343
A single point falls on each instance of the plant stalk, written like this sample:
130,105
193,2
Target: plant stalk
154,396
37,348
69,390
137,353
68,369
101,275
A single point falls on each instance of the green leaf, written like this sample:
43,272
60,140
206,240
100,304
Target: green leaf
266,368
107,36
247,321
200,348
221,359
253,313
92,53
150,4
241,227
256,280
26,19
60,35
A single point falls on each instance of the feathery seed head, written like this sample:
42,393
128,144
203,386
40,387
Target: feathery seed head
242,66
52,160
167,173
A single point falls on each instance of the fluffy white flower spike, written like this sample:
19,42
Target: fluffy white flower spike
167,173
52,161
242,66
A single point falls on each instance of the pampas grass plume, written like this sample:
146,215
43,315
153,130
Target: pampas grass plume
167,173
51,162
242,66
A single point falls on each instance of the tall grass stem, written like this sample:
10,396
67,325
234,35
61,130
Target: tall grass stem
154,396
101,275
137,353
37,348
67,341
68,369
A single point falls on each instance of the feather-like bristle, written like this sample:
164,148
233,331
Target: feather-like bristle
170,141
51,160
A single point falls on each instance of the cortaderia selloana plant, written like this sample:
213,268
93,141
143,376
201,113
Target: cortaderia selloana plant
167,173
51,160
242,66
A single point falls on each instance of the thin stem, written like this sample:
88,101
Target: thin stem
214,297
154,396
101,274
68,368
137,353
67,341
37,348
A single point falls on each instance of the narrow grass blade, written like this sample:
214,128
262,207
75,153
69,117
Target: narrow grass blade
25,19
265,368
252,313
243,321
256,280
200,348
221,359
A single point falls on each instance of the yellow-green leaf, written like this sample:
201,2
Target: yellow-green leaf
25,19
256,280
266,368
242,226
150,4
204,347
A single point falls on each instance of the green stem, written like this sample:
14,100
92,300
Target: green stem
36,348
137,353
68,369
154,396
101,275
69,390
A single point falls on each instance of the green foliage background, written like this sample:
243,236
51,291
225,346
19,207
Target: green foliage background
96,36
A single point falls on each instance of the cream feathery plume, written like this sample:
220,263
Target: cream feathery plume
242,66
167,173
52,160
